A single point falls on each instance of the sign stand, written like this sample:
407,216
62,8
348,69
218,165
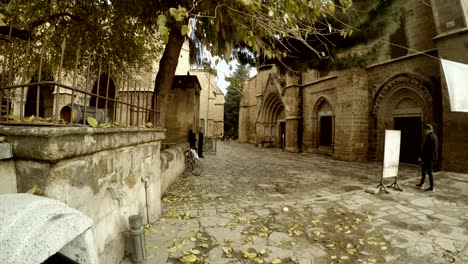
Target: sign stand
391,159
395,185
381,186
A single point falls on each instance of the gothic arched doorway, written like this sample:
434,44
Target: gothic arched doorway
271,126
404,103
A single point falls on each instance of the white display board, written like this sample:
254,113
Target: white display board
391,153
456,75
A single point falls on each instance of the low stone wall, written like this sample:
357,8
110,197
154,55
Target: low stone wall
172,165
108,174
7,170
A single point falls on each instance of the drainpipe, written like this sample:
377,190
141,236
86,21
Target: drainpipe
146,182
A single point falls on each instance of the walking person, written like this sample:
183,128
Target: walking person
428,157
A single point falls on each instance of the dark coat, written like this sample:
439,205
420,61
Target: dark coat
429,152
192,139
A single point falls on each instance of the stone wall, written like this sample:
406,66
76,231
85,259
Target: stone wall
455,124
351,115
108,174
8,182
449,14
172,165
420,26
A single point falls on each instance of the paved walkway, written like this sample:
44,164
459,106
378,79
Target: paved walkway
254,205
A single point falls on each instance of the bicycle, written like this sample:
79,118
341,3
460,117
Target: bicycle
192,163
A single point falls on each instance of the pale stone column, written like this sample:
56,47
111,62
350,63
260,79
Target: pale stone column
292,113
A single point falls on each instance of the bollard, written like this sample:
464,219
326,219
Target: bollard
137,238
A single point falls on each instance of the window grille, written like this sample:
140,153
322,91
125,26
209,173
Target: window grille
399,42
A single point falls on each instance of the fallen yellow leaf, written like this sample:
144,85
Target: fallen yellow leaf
330,246
244,254
298,232
92,121
190,258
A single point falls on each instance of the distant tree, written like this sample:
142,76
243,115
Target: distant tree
232,100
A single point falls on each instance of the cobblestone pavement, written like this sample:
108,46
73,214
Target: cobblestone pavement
254,205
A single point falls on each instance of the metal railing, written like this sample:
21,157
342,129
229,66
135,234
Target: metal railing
131,110
38,100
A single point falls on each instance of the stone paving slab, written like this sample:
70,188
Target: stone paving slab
254,205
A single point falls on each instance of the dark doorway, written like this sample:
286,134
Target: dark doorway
326,131
283,135
105,90
46,96
410,128
46,101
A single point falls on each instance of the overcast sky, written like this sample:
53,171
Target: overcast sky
224,70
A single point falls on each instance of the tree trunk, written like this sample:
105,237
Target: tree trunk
165,76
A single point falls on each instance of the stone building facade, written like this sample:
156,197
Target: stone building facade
345,113
211,104
108,173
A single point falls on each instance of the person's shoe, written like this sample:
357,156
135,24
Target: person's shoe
430,189
420,186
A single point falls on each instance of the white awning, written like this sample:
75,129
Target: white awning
456,75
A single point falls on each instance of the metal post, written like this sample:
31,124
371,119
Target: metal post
137,238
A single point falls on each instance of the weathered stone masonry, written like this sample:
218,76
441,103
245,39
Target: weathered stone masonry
345,113
108,174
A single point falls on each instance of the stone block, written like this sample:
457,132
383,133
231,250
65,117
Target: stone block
5,151
372,190
43,227
8,182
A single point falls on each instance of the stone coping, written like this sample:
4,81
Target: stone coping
55,143
322,79
409,56
451,33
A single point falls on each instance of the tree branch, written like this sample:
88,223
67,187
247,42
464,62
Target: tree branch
17,33
52,17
